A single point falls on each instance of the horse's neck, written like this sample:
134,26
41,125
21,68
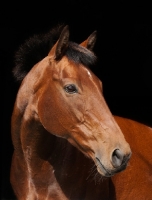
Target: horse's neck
33,143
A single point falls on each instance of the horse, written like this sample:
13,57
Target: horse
67,144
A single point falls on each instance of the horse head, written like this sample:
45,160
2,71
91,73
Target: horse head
70,104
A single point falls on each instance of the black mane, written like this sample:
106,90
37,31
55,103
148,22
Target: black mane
37,47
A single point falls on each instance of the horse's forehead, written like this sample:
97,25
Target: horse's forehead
80,73
68,68
88,72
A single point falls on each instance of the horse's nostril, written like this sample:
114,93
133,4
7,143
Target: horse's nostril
117,158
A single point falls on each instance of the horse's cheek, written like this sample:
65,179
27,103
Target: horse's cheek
48,116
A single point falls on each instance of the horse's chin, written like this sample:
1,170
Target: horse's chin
103,172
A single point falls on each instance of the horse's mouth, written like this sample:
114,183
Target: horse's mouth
105,172
102,170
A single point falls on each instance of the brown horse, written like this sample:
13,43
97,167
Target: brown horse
62,128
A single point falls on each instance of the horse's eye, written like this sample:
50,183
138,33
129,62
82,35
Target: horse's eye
70,89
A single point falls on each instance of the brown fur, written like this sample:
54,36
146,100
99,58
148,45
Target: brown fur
64,137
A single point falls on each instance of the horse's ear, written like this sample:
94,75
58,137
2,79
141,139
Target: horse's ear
90,41
61,45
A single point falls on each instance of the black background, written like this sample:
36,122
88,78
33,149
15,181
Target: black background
124,50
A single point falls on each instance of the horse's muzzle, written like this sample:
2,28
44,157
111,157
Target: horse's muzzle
119,163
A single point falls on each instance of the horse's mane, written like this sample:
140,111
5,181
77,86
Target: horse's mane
37,47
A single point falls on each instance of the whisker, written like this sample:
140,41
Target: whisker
94,175
91,172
